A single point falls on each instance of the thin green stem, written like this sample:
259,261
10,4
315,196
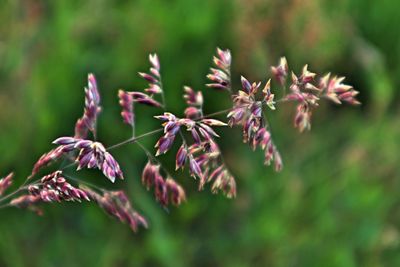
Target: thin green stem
24,186
83,182
15,192
134,139
153,158
215,114
164,105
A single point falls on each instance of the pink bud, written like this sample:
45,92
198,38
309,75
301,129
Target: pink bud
6,182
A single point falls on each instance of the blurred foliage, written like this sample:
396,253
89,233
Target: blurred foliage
335,204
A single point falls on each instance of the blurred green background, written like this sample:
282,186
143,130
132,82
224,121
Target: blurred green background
337,201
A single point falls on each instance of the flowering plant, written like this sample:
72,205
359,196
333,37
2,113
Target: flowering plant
195,132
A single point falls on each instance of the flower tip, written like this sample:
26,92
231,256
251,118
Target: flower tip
153,58
91,78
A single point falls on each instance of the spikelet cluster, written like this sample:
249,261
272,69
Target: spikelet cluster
193,133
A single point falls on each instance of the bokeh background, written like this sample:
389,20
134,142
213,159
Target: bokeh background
337,201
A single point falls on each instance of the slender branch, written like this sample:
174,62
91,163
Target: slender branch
216,113
183,140
267,123
164,105
15,192
134,139
83,182
24,186
152,157
95,132
230,80
11,194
